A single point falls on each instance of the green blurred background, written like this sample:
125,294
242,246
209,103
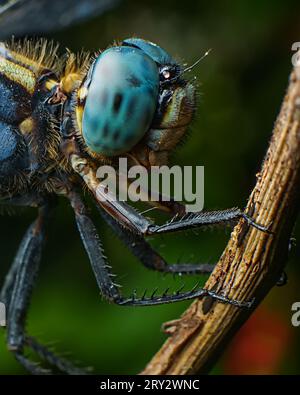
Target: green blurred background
241,85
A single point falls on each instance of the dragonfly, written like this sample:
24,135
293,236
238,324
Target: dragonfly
61,118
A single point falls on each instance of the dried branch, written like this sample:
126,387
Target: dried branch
252,261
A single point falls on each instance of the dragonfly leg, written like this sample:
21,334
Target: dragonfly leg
130,218
104,277
203,219
16,293
127,216
148,256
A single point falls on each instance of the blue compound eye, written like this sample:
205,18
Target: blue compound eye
121,100
155,52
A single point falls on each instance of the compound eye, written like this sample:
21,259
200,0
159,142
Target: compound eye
155,52
121,100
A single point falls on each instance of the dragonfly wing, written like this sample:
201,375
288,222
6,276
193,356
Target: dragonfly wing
30,17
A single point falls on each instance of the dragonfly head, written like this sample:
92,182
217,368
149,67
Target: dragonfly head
134,93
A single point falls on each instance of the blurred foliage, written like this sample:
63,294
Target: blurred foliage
241,85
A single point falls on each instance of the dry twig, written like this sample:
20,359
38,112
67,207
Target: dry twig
252,261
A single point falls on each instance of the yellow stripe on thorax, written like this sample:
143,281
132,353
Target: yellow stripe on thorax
24,60
79,114
19,74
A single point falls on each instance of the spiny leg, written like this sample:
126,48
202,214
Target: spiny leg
7,287
110,291
137,223
124,217
18,288
22,201
16,292
61,364
148,256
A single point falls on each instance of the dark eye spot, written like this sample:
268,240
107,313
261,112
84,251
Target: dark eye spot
133,81
117,102
105,130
